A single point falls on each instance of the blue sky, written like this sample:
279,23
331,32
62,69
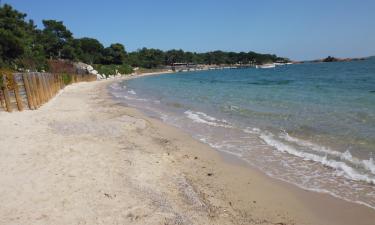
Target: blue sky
297,29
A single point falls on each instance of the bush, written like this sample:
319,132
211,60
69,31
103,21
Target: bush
4,72
113,69
125,69
67,78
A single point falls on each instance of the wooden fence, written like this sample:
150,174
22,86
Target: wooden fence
20,91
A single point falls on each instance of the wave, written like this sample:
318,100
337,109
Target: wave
115,86
342,168
132,92
129,98
200,117
367,164
220,147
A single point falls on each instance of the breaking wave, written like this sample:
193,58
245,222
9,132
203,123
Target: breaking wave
200,117
344,164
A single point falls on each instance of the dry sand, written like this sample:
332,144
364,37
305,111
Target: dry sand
85,159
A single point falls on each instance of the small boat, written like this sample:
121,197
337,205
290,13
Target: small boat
266,66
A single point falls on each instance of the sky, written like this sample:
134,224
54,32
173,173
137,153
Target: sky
298,29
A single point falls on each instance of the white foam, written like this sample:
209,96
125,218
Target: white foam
200,117
219,147
132,92
368,165
116,86
342,169
131,98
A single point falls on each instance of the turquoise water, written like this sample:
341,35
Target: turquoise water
312,125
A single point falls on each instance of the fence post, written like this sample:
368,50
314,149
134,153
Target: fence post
40,89
32,91
35,90
46,81
6,95
17,93
46,87
30,100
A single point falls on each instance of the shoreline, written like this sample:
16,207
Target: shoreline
309,199
323,207
85,158
296,185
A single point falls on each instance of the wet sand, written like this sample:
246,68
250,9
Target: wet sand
84,158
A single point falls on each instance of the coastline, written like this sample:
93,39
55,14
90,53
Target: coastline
97,161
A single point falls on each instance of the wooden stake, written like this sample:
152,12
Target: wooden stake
30,99
35,91
17,94
45,87
40,89
6,95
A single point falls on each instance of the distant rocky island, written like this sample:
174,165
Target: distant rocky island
334,59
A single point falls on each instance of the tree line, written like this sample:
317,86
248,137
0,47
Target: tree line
151,58
24,45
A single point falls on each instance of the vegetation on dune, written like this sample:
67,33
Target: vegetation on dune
113,69
24,46
66,78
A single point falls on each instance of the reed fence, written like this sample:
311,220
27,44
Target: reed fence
22,91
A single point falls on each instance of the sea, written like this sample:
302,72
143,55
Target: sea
311,124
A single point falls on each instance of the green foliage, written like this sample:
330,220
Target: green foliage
67,79
89,50
4,72
147,58
11,46
155,58
113,69
24,46
125,69
14,31
56,38
114,54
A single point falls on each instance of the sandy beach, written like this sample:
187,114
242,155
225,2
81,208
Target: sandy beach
84,158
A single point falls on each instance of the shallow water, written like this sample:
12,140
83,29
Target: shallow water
312,125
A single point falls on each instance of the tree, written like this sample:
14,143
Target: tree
89,50
13,34
174,56
148,58
114,54
56,37
11,46
330,59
